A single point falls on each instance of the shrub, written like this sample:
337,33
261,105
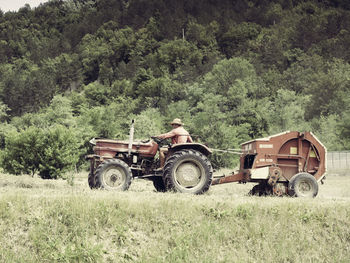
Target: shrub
59,153
49,152
22,149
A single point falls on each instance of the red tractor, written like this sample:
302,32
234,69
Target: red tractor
115,163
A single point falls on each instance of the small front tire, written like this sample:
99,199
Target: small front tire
113,174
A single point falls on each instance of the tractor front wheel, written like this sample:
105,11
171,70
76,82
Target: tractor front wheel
113,174
188,171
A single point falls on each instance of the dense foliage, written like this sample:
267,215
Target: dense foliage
232,70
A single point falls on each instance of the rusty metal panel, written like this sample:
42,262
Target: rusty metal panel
260,173
105,147
238,177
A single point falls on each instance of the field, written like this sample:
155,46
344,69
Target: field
65,221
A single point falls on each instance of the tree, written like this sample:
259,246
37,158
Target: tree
66,69
230,72
235,40
287,112
97,94
344,126
3,112
177,55
242,94
58,112
102,52
111,121
210,124
329,130
157,92
24,87
148,123
204,37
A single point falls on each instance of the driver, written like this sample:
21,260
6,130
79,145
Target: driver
178,135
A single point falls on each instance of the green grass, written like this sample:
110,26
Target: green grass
53,221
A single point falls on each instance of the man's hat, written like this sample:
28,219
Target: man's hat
177,121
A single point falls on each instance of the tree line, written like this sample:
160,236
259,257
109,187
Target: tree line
231,70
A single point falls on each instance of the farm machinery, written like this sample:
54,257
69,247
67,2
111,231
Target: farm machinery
289,163
115,163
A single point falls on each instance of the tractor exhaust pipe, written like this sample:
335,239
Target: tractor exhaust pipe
131,137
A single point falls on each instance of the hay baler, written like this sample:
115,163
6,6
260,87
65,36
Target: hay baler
289,163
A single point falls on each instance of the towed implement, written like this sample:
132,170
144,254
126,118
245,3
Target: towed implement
289,163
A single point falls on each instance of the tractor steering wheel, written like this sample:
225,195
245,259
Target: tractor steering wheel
157,140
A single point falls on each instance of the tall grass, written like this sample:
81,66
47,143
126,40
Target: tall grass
52,221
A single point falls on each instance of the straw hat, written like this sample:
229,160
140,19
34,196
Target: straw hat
177,121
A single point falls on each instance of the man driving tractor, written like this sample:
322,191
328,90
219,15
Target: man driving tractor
182,166
178,135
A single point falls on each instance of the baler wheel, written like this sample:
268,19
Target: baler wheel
261,189
113,174
188,171
303,185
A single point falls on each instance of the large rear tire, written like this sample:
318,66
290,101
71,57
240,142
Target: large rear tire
303,185
113,174
188,171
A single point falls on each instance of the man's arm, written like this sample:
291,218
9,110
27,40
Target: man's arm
167,135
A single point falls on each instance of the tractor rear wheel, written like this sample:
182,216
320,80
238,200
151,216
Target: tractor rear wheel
113,174
303,185
188,171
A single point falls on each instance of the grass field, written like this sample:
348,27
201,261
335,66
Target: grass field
54,221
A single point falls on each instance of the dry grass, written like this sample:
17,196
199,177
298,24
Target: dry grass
52,221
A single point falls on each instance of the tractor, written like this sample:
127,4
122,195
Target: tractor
115,163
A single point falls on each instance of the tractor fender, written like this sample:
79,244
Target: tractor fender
192,146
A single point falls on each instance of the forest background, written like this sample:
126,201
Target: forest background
231,70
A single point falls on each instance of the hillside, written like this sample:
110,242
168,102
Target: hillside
231,70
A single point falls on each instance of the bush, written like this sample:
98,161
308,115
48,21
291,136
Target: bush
49,152
59,153
21,153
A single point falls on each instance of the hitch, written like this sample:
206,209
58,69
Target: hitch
233,151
